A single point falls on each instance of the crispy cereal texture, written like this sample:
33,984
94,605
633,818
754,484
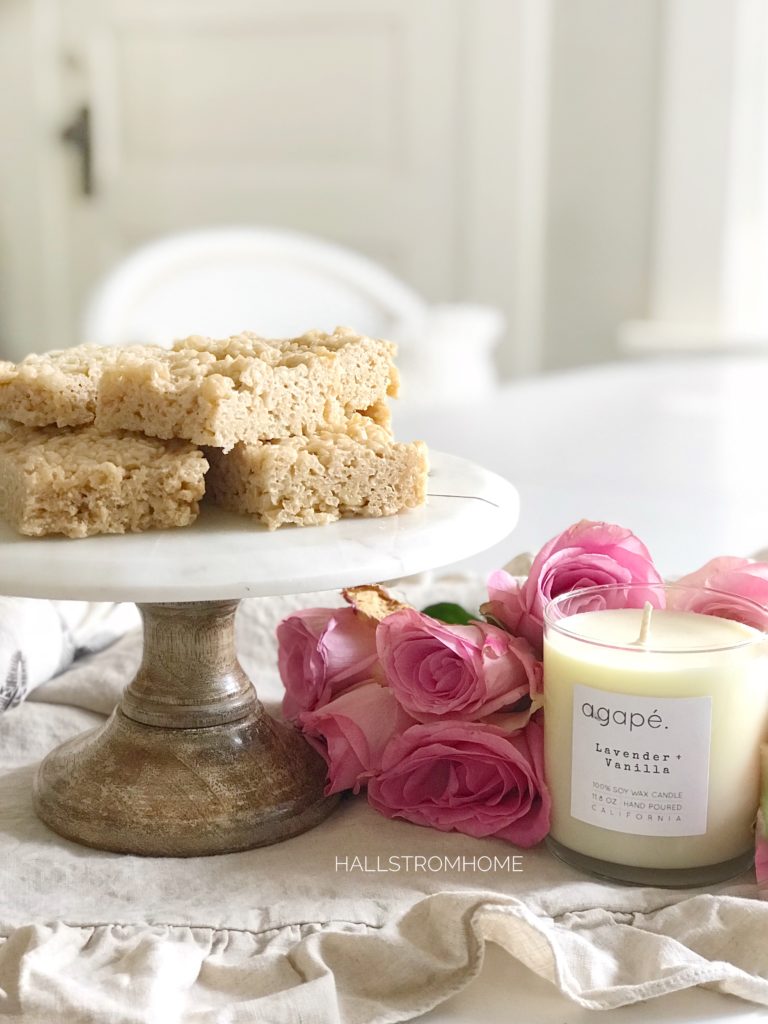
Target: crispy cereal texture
55,387
245,388
81,482
359,471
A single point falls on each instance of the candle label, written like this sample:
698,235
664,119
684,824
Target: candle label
640,764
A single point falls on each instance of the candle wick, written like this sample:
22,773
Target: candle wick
645,626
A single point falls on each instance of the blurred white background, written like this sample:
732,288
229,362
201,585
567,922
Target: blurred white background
592,174
501,151
580,164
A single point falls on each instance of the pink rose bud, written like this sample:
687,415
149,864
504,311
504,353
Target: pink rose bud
740,577
508,608
588,554
441,671
321,653
466,777
351,733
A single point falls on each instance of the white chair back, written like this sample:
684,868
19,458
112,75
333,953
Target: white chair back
222,281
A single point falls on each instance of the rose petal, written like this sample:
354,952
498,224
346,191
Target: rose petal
467,777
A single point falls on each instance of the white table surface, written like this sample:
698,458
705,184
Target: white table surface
675,449
229,556
672,448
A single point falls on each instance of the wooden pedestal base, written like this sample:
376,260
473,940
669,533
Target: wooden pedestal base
189,764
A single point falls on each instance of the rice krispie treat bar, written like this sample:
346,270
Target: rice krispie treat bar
359,471
82,482
246,388
55,387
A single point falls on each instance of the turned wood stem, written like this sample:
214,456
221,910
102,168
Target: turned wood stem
189,676
189,764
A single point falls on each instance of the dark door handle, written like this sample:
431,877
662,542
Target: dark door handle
78,135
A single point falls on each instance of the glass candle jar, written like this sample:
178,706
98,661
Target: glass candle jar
655,706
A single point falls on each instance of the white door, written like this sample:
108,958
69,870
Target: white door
410,130
323,117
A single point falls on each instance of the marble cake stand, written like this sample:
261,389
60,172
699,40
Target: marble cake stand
189,763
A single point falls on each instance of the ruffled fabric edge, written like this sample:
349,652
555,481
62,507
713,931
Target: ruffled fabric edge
363,972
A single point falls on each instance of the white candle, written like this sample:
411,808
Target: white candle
652,749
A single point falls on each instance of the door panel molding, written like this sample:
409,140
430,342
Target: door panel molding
436,167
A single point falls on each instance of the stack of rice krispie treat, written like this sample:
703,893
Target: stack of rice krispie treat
116,440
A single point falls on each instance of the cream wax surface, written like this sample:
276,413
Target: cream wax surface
652,754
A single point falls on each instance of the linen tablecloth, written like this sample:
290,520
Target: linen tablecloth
321,928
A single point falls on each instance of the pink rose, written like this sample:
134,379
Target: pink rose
738,576
438,671
466,777
321,653
351,733
588,554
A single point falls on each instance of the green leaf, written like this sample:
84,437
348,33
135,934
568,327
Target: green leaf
451,613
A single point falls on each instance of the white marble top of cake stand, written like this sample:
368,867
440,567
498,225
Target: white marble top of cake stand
228,556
